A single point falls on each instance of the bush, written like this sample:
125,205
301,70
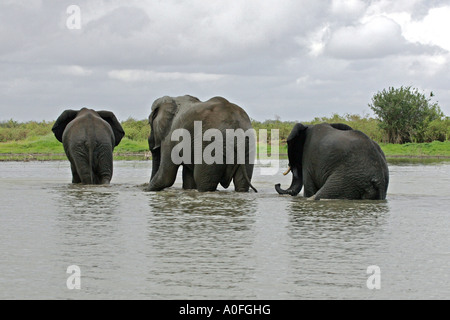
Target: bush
366,124
136,130
14,131
139,130
284,128
404,113
438,130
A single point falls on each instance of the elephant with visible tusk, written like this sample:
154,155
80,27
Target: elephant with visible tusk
333,161
89,138
205,164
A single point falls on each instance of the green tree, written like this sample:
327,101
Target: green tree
438,129
136,130
404,113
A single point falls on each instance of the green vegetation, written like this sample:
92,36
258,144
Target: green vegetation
14,131
35,140
46,147
435,148
406,114
136,130
366,124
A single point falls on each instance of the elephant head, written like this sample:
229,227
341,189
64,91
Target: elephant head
295,142
160,119
68,115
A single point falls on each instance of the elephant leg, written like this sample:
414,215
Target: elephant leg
165,176
85,172
334,188
227,177
73,167
163,179
242,177
103,178
75,176
207,177
104,165
78,156
309,187
188,178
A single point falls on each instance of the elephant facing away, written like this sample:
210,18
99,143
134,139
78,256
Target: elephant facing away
333,161
89,138
186,112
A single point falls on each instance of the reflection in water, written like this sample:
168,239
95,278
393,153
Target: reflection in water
178,244
333,240
87,204
325,217
196,236
225,204
88,219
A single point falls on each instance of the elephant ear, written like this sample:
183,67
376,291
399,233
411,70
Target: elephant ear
118,131
62,121
341,126
160,119
296,143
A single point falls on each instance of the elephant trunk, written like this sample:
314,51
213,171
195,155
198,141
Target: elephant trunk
156,158
296,184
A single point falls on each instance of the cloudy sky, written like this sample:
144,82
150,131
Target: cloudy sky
294,59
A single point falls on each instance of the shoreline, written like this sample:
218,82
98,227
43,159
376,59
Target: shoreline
146,156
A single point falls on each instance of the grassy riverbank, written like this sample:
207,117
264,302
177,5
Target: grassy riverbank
46,147
35,140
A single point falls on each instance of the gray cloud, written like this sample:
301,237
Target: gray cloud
377,38
294,59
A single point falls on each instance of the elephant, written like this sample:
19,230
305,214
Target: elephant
183,115
89,138
333,161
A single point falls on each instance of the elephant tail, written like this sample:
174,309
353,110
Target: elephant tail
91,161
380,187
231,174
247,178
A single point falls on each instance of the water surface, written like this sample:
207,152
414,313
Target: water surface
175,244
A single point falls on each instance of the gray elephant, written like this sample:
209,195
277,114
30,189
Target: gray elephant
333,161
89,138
187,116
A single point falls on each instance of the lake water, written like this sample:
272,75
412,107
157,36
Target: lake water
175,244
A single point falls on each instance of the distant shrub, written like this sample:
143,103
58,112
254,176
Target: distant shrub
365,124
283,127
405,113
438,130
12,130
136,130
139,130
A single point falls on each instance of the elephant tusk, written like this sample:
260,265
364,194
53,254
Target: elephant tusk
287,171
